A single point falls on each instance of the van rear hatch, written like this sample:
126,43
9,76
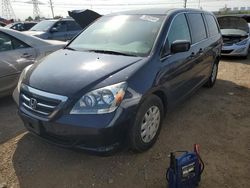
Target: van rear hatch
233,29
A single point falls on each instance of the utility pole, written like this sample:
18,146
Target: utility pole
52,8
7,10
185,3
36,10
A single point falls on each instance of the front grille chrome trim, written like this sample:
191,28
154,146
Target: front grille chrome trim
37,111
48,104
44,94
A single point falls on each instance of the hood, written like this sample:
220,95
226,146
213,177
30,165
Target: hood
84,17
34,33
233,22
68,72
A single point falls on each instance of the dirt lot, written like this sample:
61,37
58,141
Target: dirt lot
218,119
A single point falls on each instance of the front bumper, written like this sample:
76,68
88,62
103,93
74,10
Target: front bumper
100,133
235,50
66,132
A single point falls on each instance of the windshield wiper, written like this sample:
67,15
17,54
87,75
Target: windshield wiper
111,52
69,48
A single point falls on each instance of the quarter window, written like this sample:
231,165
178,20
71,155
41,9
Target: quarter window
179,30
5,43
17,44
212,25
197,27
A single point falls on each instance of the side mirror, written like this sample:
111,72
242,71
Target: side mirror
180,46
53,30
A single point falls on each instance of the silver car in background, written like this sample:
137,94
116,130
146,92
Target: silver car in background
236,36
17,51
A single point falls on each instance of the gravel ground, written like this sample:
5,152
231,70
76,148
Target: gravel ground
218,119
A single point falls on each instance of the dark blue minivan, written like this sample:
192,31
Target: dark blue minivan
117,79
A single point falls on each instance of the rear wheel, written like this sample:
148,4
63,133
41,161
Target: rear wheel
146,127
212,79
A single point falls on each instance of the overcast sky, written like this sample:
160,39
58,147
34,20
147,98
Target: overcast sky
23,10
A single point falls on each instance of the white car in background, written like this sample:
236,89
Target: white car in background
17,51
236,36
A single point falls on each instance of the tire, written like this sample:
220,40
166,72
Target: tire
213,76
152,126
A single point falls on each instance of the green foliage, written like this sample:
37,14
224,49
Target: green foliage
29,19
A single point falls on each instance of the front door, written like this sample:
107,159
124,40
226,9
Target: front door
177,69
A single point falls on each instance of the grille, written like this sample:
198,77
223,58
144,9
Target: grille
226,51
228,41
40,103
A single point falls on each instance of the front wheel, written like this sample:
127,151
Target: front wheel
146,127
212,79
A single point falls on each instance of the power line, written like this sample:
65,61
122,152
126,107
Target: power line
36,10
7,10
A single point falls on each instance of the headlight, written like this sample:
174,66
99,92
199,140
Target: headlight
100,101
23,74
243,42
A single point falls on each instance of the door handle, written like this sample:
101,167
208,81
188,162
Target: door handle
26,55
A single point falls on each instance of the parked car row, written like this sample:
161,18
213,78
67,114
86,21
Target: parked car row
17,51
63,29
21,26
57,29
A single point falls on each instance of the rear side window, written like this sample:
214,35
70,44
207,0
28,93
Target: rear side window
73,26
5,43
179,30
212,25
197,26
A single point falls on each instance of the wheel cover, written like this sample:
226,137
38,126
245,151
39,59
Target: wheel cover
214,72
150,124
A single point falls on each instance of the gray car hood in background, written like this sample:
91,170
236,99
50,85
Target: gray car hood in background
233,22
84,17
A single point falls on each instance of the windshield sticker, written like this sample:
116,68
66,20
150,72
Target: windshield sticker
149,18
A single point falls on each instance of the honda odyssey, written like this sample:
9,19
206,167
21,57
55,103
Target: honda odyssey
116,80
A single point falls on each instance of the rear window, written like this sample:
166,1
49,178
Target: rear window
212,25
197,26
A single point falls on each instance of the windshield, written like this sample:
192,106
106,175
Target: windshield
43,25
233,32
127,34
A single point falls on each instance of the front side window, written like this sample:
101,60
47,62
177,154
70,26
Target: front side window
73,26
197,27
128,34
179,30
60,26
